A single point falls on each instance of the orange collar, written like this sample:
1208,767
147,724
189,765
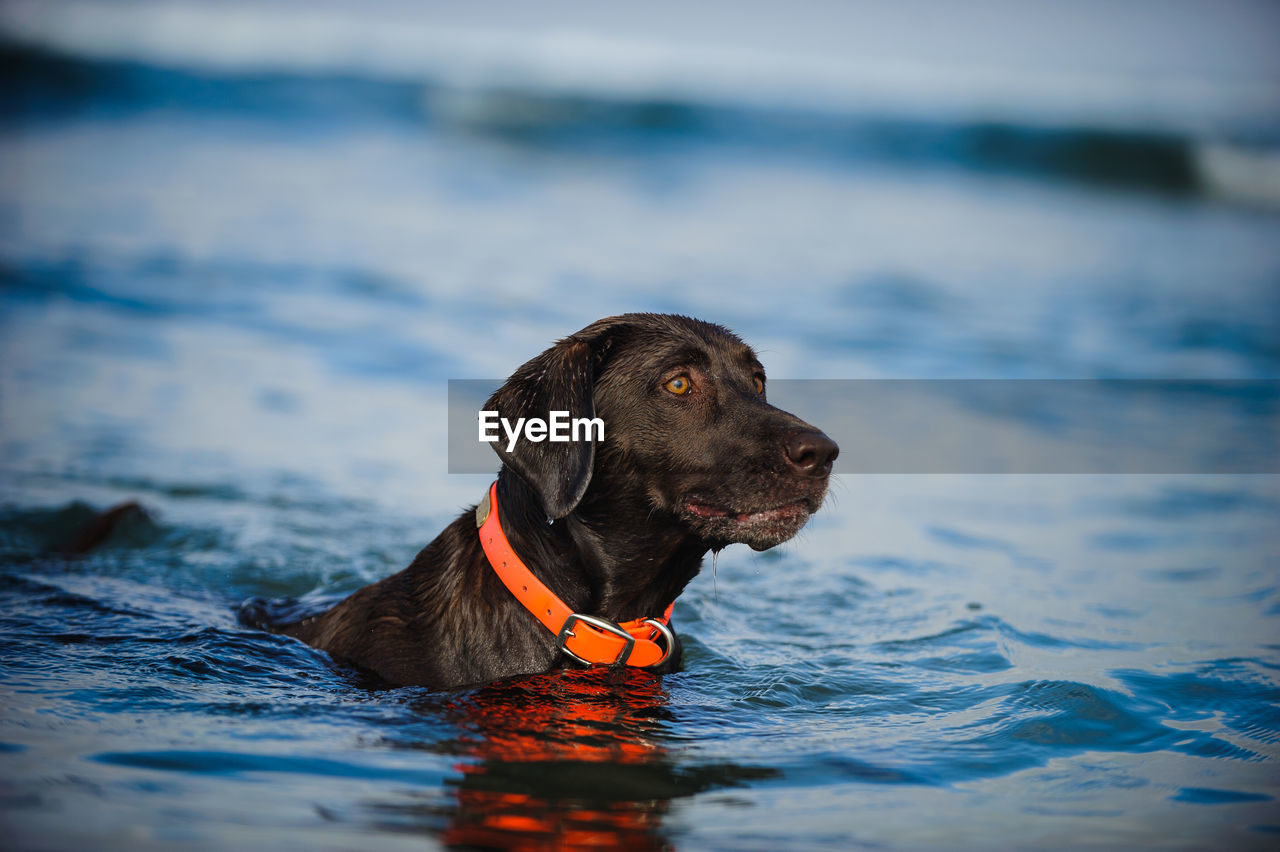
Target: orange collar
587,638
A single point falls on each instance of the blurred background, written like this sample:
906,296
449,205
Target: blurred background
244,246
229,224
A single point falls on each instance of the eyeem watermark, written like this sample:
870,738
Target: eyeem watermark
559,427
976,426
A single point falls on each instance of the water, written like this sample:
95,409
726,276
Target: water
236,293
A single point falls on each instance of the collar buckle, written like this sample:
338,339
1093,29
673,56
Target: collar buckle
602,624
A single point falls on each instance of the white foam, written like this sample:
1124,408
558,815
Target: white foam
1240,173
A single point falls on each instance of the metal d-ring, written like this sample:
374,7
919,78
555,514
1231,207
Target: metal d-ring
667,634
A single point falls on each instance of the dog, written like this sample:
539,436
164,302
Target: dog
580,548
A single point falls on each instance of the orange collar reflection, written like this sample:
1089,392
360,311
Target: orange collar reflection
569,760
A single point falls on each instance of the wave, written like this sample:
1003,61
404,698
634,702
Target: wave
605,58
1198,132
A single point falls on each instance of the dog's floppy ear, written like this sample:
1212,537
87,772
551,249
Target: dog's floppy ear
560,379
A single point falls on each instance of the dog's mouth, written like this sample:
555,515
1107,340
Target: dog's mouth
707,510
759,528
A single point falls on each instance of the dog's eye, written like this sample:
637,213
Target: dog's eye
759,380
680,385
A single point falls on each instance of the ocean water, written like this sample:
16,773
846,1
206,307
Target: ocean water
242,253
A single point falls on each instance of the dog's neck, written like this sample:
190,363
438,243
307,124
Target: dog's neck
612,556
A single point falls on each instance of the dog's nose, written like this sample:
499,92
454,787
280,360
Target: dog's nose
811,452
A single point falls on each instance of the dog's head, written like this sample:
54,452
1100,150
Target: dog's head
686,427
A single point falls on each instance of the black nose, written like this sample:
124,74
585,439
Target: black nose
811,452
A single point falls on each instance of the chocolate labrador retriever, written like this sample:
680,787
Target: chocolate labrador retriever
580,548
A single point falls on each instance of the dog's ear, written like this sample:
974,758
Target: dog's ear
560,379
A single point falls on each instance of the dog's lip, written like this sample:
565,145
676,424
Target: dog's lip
711,511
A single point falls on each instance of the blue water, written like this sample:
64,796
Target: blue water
237,296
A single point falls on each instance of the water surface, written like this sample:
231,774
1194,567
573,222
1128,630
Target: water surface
237,296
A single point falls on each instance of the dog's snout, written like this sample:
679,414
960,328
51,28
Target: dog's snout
811,453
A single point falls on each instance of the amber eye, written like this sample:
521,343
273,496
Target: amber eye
680,385
759,384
